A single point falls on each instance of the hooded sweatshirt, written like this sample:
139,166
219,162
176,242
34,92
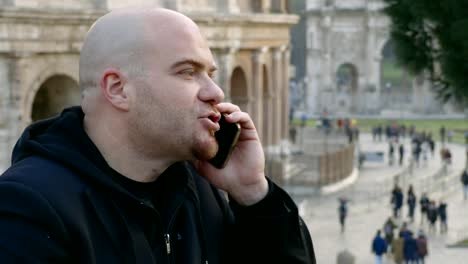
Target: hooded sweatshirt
60,202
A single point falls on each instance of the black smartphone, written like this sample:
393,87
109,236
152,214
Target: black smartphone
227,137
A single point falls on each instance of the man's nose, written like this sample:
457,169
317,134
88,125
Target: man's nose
211,92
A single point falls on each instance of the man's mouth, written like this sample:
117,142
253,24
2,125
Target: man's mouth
214,117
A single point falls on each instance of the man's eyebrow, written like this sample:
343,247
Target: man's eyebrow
194,63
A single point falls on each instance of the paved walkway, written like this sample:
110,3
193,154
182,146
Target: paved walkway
370,207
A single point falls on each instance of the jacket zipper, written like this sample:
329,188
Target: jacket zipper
167,237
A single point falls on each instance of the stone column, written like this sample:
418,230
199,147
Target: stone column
268,115
225,60
277,95
9,108
285,93
266,6
5,89
257,89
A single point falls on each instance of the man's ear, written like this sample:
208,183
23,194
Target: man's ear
113,89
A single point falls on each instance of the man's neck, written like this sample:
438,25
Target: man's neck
120,155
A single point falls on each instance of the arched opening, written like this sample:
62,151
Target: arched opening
347,86
238,89
395,82
54,94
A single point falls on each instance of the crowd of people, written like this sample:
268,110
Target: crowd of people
400,238
406,247
422,144
431,211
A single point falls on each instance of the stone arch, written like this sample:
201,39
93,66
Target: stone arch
54,94
238,88
347,86
43,68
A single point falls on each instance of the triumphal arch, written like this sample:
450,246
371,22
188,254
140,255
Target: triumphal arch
351,63
40,43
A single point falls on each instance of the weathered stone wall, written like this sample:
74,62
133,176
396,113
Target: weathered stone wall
41,39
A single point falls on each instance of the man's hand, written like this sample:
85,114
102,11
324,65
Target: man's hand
243,178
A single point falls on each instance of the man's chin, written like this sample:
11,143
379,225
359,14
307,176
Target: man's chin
206,152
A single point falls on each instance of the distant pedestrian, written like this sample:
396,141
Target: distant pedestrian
343,212
442,211
388,229
424,204
464,181
397,249
421,243
404,231
411,201
379,247
401,151
391,152
431,145
397,200
416,149
446,156
380,131
432,214
410,249
442,134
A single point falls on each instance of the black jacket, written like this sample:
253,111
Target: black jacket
61,203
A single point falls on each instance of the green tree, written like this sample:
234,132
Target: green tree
431,36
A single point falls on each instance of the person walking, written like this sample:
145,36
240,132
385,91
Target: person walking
442,211
397,249
464,181
404,231
388,229
391,152
401,151
424,204
411,201
397,200
421,243
342,212
410,249
127,177
379,247
432,214
442,134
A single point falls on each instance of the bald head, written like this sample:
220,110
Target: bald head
120,40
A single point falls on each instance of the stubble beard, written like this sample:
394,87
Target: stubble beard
205,149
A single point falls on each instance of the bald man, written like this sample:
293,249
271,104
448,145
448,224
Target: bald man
126,177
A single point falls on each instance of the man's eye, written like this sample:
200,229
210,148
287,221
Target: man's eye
187,72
